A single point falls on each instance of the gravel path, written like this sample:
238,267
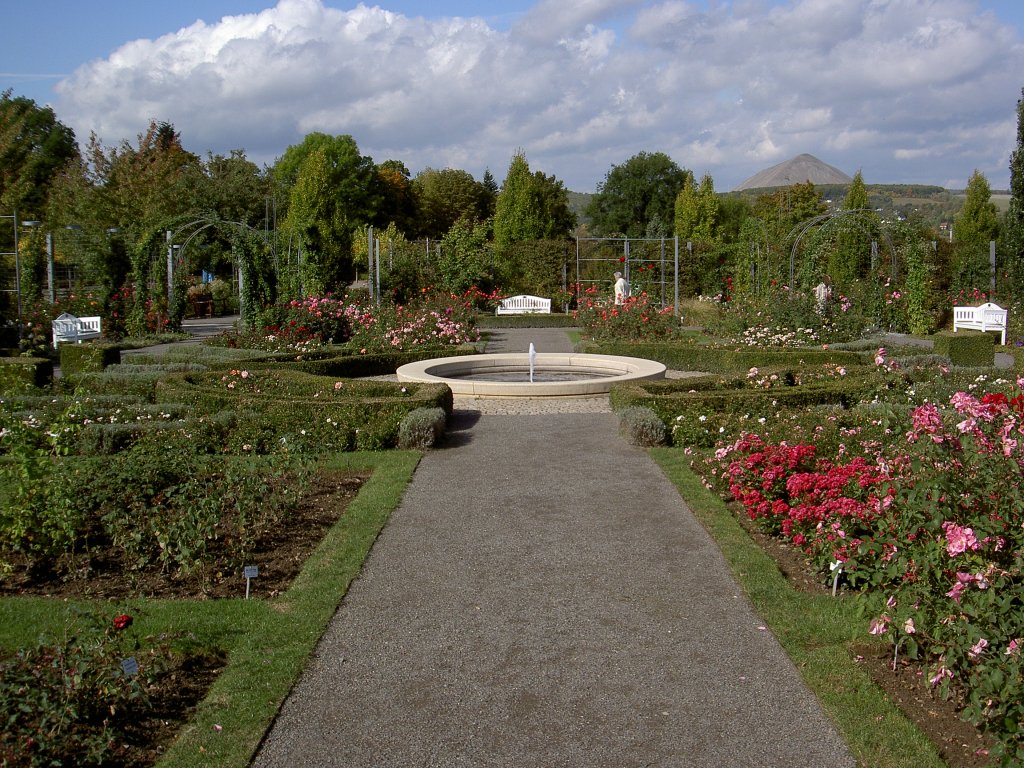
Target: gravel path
543,597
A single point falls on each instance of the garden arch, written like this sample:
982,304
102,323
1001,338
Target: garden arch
197,227
825,219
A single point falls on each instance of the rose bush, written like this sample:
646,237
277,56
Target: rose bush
928,526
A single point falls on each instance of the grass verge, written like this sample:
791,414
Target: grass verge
267,642
816,631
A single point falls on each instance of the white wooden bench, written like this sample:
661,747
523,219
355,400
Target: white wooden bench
523,305
68,328
987,317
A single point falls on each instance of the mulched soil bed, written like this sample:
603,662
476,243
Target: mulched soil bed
279,554
172,701
959,743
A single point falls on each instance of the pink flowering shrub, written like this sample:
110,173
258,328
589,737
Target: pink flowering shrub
433,320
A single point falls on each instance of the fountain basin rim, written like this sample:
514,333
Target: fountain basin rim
608,370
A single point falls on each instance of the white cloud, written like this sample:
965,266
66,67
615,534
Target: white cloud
907,90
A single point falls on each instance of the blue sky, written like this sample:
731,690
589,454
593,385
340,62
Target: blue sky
915,91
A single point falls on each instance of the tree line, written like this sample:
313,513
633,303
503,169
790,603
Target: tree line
311,208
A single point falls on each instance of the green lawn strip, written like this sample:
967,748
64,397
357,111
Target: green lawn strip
268,660
817,633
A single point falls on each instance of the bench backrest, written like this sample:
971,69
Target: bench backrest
524,301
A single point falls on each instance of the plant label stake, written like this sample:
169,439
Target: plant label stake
250,572
836,568
130,666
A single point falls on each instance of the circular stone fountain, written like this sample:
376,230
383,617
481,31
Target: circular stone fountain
555,374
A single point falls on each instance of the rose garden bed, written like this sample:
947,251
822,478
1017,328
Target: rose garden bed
141,715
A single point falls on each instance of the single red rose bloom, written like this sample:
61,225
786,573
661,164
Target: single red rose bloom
123,621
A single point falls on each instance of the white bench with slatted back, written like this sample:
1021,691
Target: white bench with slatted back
523,305
987,317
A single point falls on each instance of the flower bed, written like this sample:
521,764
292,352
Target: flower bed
919,508
637,319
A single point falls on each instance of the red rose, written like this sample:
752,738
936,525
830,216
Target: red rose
123,621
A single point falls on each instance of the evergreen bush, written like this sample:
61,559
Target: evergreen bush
87,358
421,428
641,426
20,375
973,349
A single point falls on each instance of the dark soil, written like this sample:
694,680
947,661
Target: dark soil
279,554
959,743
171,703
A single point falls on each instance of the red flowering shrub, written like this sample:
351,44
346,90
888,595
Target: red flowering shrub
638,319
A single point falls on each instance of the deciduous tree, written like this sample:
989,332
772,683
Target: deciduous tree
34,147
445,196
635,193
1013,229
333,191
697,211
530,206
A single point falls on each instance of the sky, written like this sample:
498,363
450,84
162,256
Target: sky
905,91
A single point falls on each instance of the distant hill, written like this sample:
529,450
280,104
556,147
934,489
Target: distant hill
798,170
578,202
928,203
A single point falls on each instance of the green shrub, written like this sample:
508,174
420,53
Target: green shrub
352,365
679,402
967,348
421,428
87,358
139,385
527,321
690,356
281,410
641,426
131,367
24,374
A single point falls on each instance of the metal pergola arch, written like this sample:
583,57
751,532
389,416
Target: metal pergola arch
827,218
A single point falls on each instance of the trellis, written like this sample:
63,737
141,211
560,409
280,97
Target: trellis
598,257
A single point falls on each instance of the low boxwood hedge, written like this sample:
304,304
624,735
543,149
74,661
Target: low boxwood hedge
24,374
352,365
136,384
690,398
972,349
87,358
287,410
553,320
698,357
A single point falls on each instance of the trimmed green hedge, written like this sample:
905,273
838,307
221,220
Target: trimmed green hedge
140,385
287,410
698,357
87,358
24,374
526,321
973,349
354,366
689,397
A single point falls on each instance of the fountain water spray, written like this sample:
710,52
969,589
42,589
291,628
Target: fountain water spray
533,360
